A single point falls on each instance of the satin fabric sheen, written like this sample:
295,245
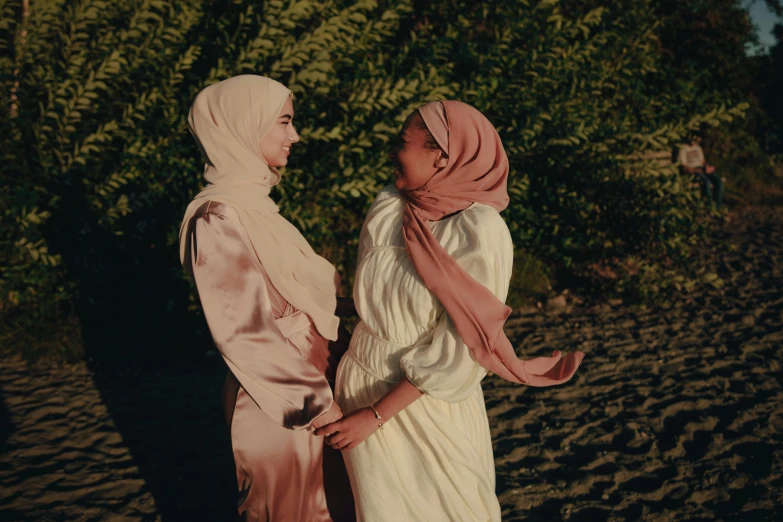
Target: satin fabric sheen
477,171
281,362
432,462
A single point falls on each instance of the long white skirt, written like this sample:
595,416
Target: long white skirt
432,462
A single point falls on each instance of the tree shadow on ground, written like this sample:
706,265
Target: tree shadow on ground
171,420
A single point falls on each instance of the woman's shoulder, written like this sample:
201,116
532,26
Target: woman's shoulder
482,225
387,203
210,208
481,217
383,223
388,197
389,191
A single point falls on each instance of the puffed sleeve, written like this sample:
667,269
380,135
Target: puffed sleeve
440,364
233,294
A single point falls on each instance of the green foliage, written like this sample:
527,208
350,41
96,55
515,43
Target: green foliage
705,49
99,164
573,93
90,100
748,170
531,280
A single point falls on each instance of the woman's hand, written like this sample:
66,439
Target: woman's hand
351,430
332,415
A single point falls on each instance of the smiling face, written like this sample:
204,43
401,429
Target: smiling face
415,160
276,145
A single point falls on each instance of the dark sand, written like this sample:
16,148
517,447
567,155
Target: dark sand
676,414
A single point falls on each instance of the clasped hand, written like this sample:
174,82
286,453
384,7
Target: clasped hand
351,430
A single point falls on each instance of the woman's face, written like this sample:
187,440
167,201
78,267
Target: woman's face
414,163
276,145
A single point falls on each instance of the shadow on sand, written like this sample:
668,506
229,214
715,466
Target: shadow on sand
170,419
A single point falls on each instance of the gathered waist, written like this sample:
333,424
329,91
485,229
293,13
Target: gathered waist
377,356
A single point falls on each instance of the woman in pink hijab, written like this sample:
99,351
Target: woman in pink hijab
434,267
270,302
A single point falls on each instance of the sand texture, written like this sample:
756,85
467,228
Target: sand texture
676,414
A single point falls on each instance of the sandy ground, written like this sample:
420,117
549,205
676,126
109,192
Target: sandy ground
676,414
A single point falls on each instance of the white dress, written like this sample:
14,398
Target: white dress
433,461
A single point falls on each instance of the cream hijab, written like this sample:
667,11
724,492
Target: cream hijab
228,121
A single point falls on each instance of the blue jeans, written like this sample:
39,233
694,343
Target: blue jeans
711,187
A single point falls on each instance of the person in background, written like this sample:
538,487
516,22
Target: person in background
691,161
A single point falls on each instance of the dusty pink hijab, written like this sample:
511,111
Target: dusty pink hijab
477,171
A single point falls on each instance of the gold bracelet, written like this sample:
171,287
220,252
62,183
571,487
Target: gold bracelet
377,416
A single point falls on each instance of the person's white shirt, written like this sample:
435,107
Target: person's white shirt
691,156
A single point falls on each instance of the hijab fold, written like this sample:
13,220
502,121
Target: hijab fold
477,171
228,121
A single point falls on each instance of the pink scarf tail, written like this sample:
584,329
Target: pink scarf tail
476,312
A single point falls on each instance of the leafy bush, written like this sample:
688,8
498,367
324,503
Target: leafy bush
531,280
99,165
749,172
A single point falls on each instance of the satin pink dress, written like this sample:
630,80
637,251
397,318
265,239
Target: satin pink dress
281,363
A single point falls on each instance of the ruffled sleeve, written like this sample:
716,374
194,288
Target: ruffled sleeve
237,306
441,365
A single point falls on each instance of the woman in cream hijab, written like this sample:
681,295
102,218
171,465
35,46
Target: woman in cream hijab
268,298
